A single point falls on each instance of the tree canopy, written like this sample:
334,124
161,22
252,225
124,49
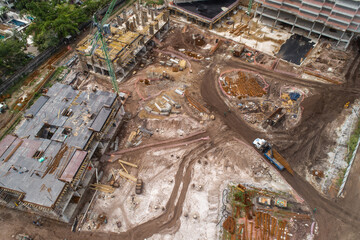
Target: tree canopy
56,19
12,54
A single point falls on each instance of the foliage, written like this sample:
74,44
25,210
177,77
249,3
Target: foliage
353,141
158,2
54,20
12,55
340,178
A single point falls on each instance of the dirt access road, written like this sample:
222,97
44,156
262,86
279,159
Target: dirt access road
335,221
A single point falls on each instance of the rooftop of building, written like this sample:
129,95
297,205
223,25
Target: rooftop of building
49,148
208,9
117,42
120,41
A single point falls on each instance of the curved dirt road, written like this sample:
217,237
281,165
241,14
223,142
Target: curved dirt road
330,216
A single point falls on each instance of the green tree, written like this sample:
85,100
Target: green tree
12,54
53,21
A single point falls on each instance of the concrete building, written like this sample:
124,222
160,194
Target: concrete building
49,162
335,19
205,12
127,39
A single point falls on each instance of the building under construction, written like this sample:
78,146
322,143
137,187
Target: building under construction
334,19
205,12
127,39
49,162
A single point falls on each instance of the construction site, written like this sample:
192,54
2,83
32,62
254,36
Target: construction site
187,121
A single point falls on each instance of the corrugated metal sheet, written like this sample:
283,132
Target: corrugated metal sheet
35,108
100,120
73,166
5,143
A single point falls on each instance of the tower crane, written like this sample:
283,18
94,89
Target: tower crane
100,37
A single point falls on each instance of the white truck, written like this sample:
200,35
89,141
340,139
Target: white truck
3,107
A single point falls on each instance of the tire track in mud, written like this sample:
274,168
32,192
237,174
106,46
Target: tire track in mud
329,212
351,74
174,206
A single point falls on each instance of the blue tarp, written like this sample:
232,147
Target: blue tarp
294,96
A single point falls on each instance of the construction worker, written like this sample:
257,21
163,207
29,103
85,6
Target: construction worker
314,211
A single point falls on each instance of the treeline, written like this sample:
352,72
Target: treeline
52,21
56,19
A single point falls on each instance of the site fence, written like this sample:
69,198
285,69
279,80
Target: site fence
31,66
348,169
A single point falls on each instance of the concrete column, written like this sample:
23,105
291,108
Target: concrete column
342,35
137,19
151,29
321,32
262,10
255,11
142,19
134,21
292,28
156,25
165,16
83,62
148,10
127,25
312,27
347,44
152,15
119,22
145,16
124,15
277,17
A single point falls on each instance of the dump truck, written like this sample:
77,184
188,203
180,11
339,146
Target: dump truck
272,155
267,150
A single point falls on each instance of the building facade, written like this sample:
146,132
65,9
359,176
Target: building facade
335,19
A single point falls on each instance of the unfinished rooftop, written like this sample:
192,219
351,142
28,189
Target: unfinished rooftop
51,149
207,12
126,37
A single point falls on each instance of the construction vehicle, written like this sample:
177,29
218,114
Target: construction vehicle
139,186
268,152
282,203
275,117
264,200
3,107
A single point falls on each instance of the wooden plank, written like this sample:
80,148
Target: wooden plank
122,165
128,176
127,163
13,151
